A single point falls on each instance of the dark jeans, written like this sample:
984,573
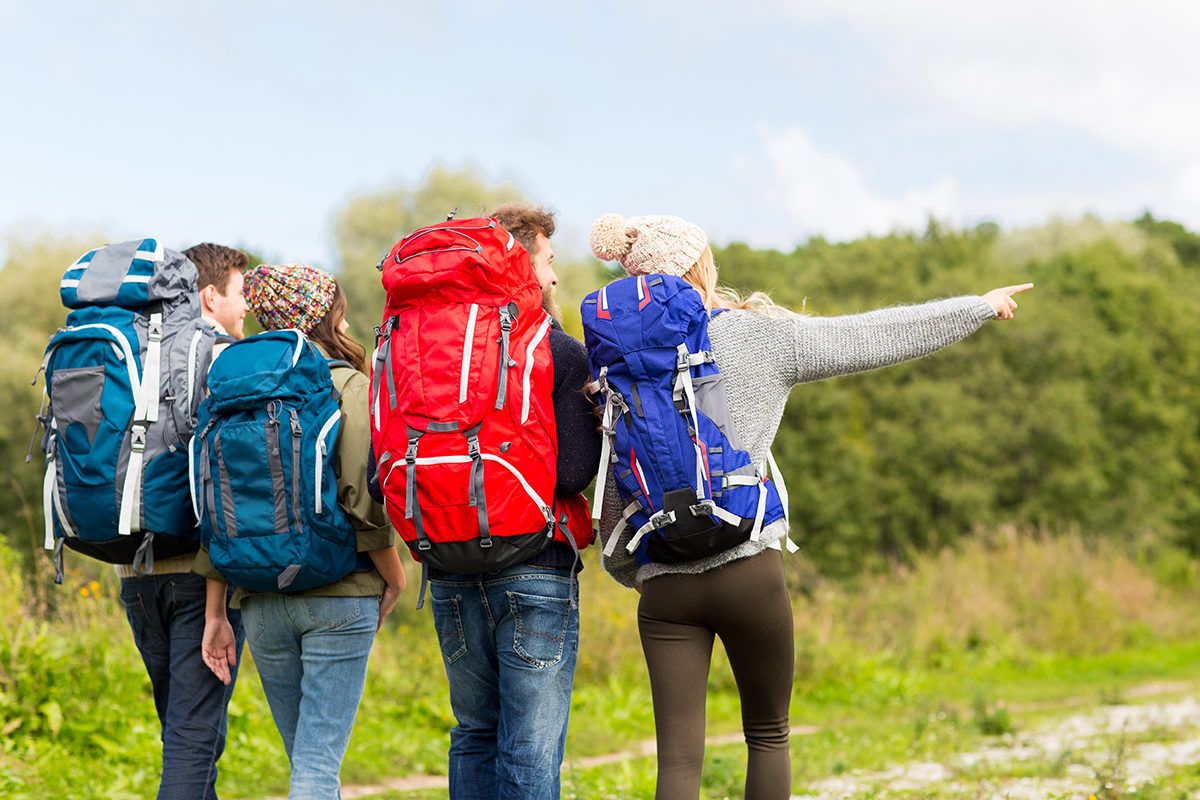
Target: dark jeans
166,613
509,641
746,604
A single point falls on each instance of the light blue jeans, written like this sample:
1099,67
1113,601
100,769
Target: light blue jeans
311,654
509,641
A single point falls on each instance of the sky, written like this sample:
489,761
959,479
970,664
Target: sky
763,121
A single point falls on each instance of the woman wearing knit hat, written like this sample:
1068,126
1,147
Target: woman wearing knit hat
311,648
763,351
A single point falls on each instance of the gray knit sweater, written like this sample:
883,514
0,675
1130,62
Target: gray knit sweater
763,357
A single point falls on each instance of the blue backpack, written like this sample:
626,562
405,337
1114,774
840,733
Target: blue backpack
689,487
263,481
123,379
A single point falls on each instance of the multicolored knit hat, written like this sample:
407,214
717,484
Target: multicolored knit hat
289,295
652,243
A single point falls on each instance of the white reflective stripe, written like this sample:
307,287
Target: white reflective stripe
152,370
742,480
537,339
511,241
300,340
48,486
69,283
639,287
117,350
423,461
191,370
136,279
758,515
617,530
780,487
193,489
545,509
150,255
466,359
320,462
134,383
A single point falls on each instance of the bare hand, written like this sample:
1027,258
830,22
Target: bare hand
391,595
1001,300
219,648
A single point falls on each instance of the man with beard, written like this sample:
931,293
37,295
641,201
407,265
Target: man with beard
510,697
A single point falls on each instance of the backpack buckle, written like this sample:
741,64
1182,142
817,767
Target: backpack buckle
424,544
703,508
410,455
662,519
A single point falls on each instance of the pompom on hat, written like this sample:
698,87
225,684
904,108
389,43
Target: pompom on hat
647,244
289,295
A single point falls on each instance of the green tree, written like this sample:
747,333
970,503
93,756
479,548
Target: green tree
368,225
30,312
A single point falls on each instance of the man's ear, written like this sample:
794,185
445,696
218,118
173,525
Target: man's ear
206,297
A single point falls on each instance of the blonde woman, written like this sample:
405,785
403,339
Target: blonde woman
739,594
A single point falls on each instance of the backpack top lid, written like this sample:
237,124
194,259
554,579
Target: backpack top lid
458,261
630,318
276,365
129,275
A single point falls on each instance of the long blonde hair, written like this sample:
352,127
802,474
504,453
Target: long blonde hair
703,276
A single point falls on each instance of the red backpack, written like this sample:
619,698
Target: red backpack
462,418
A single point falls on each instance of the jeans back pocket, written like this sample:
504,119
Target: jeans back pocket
539,627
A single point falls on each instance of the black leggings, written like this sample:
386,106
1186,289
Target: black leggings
745,603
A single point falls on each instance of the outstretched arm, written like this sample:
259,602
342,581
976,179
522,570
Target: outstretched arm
825,347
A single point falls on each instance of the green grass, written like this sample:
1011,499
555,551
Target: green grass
902,667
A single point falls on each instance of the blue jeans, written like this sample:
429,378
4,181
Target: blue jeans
311,654
166,613
509,641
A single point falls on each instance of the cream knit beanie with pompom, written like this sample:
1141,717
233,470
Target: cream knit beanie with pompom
647,244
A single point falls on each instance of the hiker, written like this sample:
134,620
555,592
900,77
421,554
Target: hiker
143,310
310,626
695,525
497,519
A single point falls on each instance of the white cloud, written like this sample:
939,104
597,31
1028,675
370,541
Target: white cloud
824,193
1125,72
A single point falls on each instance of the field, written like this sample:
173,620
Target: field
1016,666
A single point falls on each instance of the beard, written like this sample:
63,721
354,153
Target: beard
549,304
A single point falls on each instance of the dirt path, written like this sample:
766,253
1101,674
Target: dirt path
1119,746
1087,737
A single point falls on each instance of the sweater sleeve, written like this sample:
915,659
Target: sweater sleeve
826,347
368,517
621,565
578,435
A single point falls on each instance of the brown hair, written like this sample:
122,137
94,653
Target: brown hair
215,262
703,276
337,344
525,221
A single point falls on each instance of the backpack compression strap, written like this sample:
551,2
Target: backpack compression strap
145,413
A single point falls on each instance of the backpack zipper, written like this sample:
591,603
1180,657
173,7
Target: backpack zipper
507,315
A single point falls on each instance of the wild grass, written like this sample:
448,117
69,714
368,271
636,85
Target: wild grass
909,664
